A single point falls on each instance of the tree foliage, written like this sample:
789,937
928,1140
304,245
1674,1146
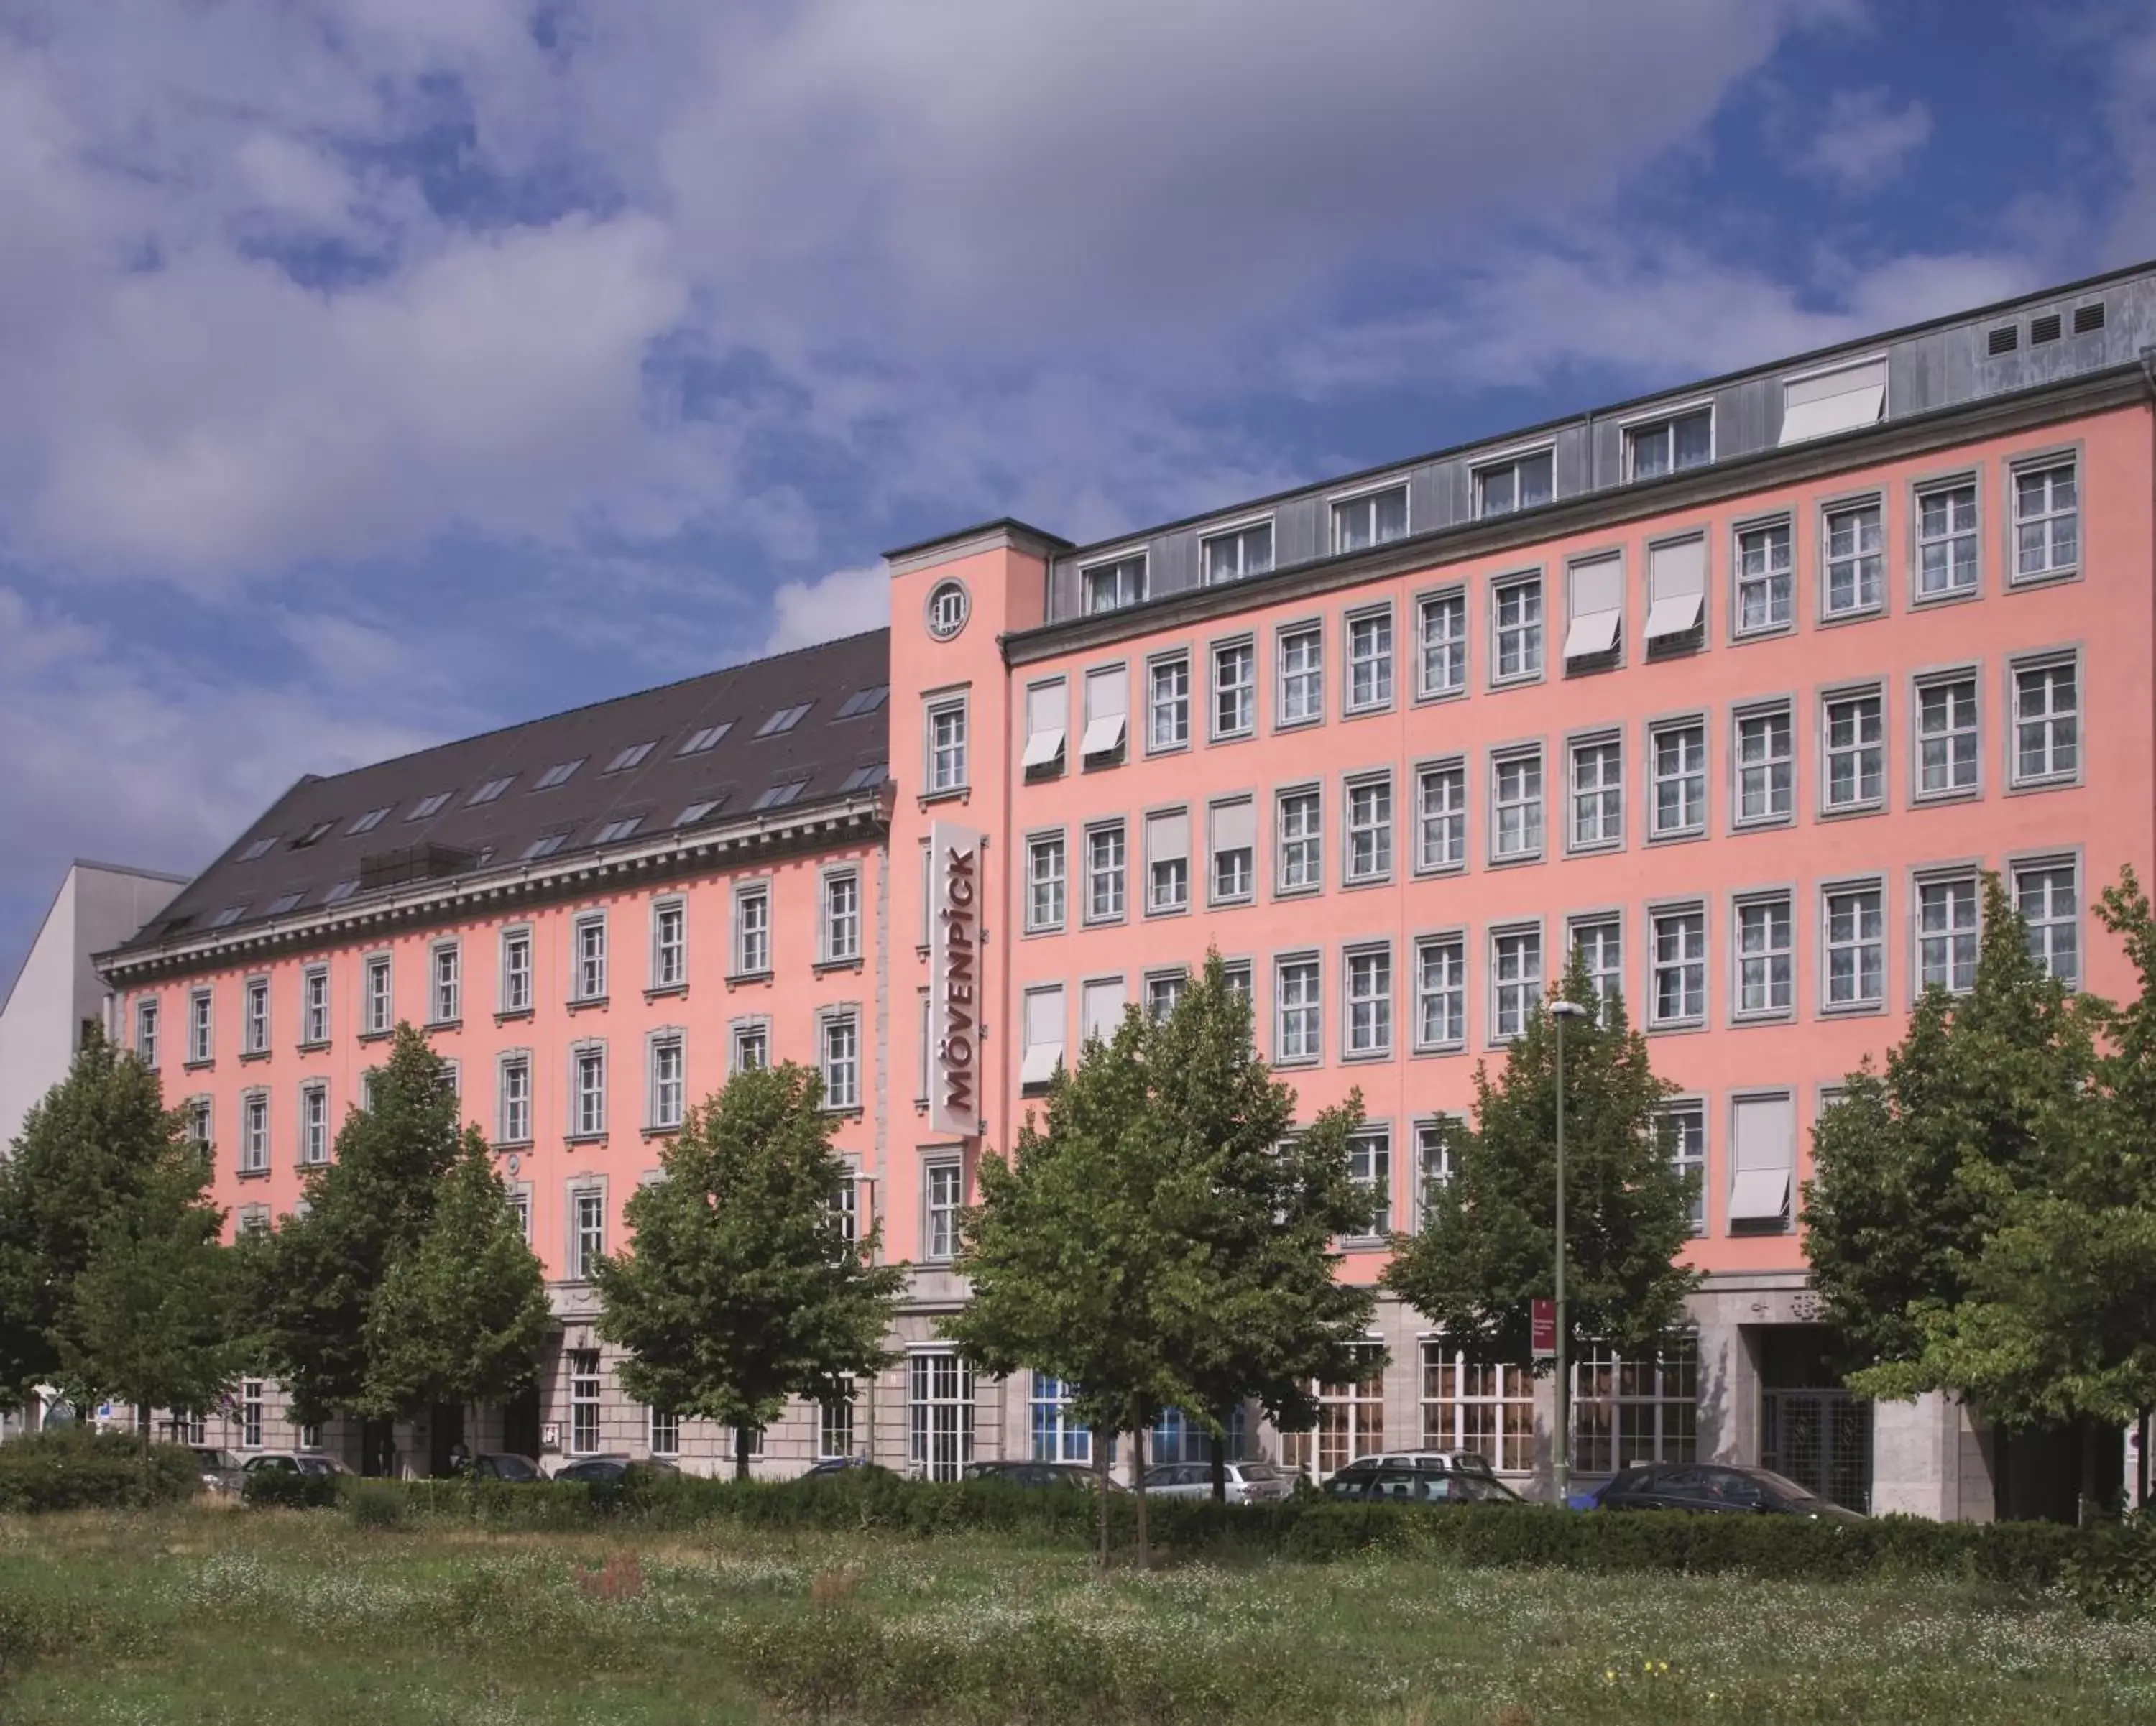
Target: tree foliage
740,1288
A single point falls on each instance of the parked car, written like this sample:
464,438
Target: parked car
296,1462
1052,1475
1717,1489
1248,1482
222,1470
1382,1484
506,1465
833,1465
1456,1461
610,1469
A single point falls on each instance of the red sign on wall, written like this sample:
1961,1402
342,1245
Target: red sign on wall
1541,1326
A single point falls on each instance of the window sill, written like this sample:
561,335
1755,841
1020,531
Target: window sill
1853,811
1225,738
1677,1027
1690,836
1763,824
1284,725
1437,871
314,1047
1297,1062
1154,912
588,1003
208,1066
1513,862
1928,602
1236,903
512,1144
2064,782
1771,632
1425,697
1931,800
1367,1243
851,1112
1365,881
376,1035
253,1174
956,794
457,1024
249,1056
578,1139
738,978
1366,1057
1281,892
1866,614
1437,1049
2048,578
1752,1021
1852,1009
826,967
1528,681
509,1013
665,992
648,1132
1155,750
1115,922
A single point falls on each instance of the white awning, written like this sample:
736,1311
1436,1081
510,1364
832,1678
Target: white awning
1676,615
1594,633
1040,1062
1104,735
1830,402
1103,1009
1759,1196
1043,749
1044,1036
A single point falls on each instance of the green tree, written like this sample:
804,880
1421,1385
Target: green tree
463,1317
89,1154
1488,1242
740,1287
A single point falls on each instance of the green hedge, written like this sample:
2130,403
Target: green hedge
75,1468
279,1489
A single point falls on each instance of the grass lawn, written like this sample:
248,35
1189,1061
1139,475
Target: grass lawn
206,1615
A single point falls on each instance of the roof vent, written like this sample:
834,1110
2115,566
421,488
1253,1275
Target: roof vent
2044,329
412,863
2004,339
2088,318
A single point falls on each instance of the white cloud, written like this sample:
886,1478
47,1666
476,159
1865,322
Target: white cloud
843,602
1865,139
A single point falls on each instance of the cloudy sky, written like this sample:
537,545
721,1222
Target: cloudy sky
376,371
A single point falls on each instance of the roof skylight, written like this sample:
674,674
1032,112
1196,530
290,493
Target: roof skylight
313,836
228,916
491,789
428,805
619,828
260,847
785,719
698,810
774,796
546,845
343,891
282,903
865,701
633,756
861,778
367,823
558,773
704,737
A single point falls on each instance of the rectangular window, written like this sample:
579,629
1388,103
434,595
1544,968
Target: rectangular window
146,1032
1517,616
669,944
1441,817
1370,1166
1168,702
1487,1409
198,1026
1441,992
752,932
1684,1138
1946,740
842,918
1238,552
1856,761
2048,899
945,1198
1167,861
1666,446
1766,766
250,1414
314,1123
587,1220
1299,1010
1766,957
1371,519
1839,400
254,1133
1351,1423
2046,722
1680,996
665,1432
842,1061
1047,715
1370,662
1680,769
588,1070
1946,934
1443,619
446,998
1946,541
668,1082
946,746
1856,947
1594,609
1763,1158
1045,876
589,981
1057,1435
1234,690
1233,845
1598,793
256,1025
1854,539
1370,982
1632,1411
939,1414
1164,992
1519,484
1764,579
315,1005
1518,825
1676,592
751,1045
584,1401
1369,829
1100,1009
1104,873
2046,520
1301,676
514,1123
199,1132
835,1425
1109,586
1301,841
1107,715
1044,1036
1516,980
1599,942
516,972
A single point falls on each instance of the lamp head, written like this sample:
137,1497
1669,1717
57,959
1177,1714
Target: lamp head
1567,1010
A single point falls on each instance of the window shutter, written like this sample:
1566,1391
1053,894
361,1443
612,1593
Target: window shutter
1764,1153
1597,609
1046,714
1677,588
1235,825
1103,1008
1167,836
1839,400
1107,703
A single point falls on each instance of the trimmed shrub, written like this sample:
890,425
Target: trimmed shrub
376,1504
279,1489
73,1469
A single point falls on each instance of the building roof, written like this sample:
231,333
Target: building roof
710,748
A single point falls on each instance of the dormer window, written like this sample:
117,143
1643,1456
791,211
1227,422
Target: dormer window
1237,553
1841,400
1668,446
1370,520
1109,586
1518,482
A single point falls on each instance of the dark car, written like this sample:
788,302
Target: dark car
1383,1484
222,1472
1064,1475
834,1465
1717,1489
505,1465
296,1462
608,1470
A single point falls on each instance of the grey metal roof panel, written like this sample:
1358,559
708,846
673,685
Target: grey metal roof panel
821,750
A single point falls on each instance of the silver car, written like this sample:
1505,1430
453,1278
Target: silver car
1254,1482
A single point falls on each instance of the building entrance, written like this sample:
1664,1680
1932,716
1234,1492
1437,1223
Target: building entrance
1810,1428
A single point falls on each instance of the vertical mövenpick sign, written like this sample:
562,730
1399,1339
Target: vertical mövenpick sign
956,892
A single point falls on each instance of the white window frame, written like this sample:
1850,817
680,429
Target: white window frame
1526,629
670,943
587,1227
752,930
1129,573
513,1100
1045,747
1115,876
255,1131
1367,651
1961,744
1306,1002
939,1413
1603,796
665,1093
585,1386
1860,560
841,932
1514,998
314,1123
1598,938
1685,1156
1104,701
1166,886
1238,534
516,969
839,1060
446,983
1299,659
945,758
1370,1166
942,1197
2044,665
2043,945
1742,768
1852,940
254,1019
1662,424
146,1031
1441,826
1509,463
1441,649
1933,956
2018,573
1922,540
1242,649
1367,814
1304,844
588,1091
1688,822
1857,749
1242,888
589,960
201,1028
1774,576
1175,708
378,982
1677,948
1366,1004
1440,979
1530,828
744,1034
1042,1009
1767,965
1367,499
1047,890
315,1006
1594,633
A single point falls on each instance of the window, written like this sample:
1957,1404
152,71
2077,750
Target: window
1104,872
1946,737
669,944
1237,552
779,793
1763,1143
340,891
1167,861
1946,540
1946,934
1234,690
379,1013
426,806
491,791
1111,587
751,1047
587,1220
835,1425
667,1087
1519,484
1599,943
842,917
1044,883
1164,992
1351,1423
1666,446
948,606
513,1124
1369,829
1370,662
1168,702
1519,626
1441,992
1300,1013
1044,1036
2046,896
1370,1165
1100,1010
516,971
1840,400
1594,609
1302,676
254,1133
2046,722
546,845
1684,1140
945,1198
785,719
1516,976
1441,817
588,981
314,1123
1764,582
367,823
314,1005
1233,844
752,932
146,1032
946,746
705,739
255,1026
559,774
1488,1408
587,1067
1676,592
621,827
939,1414
1679,966
320,831
865,777
584,1401
1301,840
1443,625
1631,1411
1680,768
199,1049
1598,793
199,1124
842,1061
282,903
1856,763
1519,805
260,848
1057,1436
1765,957
445,998
250,1414
2046,521
664,1436
1375,517
1369,980
1855,946
1766,766
1107,708
1853,542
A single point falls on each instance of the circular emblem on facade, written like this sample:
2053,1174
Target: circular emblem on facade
949,605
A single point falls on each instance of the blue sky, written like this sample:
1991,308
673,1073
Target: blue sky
376,371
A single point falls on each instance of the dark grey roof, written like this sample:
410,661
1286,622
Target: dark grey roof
835,748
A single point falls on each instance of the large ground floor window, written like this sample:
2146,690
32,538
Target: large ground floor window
939,1410
1489,1409
1625,1413
1351,1423
1057,1437
584,1401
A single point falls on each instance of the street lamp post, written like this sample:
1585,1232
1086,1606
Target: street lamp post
1561,1466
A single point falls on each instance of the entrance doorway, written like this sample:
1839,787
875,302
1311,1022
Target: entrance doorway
1811,1428
445,1437
519,1424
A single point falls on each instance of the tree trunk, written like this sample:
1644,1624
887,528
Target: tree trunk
1137,1485
2141,1453
2088,1506
742,1437
1101,1488
1220,1466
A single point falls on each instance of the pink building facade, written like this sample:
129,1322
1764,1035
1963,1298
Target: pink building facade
1737,689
